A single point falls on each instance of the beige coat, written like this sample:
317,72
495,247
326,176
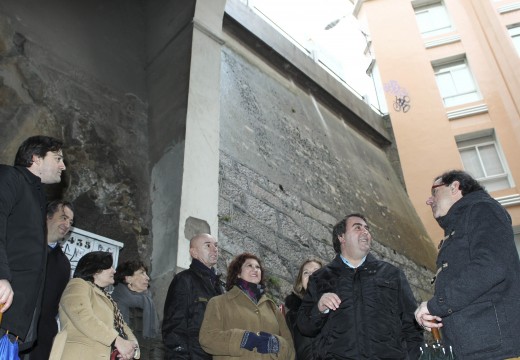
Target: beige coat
87,324
228,316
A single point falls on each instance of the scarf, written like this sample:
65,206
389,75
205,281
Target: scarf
127,299
252,290
118,318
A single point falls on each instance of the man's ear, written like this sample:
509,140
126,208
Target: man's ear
36,159
455,185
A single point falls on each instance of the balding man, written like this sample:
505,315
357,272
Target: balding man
188,295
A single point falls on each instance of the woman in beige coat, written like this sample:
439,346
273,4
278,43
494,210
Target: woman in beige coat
244,323
91,324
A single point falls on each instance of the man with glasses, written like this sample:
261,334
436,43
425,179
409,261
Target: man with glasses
477,285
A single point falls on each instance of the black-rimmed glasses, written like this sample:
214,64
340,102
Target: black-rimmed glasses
436,186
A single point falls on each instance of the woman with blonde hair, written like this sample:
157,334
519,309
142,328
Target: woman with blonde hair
302,344
244,323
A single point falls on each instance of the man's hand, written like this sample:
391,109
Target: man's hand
6,295
425,319
328,301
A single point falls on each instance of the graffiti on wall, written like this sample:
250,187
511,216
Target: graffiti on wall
402,99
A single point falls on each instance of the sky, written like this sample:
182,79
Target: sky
328,30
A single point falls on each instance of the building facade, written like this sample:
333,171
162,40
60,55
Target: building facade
450,71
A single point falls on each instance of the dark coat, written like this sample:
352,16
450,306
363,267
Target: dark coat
302,343
477,292
58,275
22,247
375,319
186,301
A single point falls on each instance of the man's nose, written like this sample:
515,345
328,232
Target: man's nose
429,201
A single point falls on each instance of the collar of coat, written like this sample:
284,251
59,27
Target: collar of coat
236,292
448,221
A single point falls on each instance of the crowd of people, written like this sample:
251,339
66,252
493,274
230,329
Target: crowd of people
354,307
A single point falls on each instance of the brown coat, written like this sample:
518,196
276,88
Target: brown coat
228,316
87,324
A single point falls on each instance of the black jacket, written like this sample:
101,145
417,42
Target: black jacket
302,343
477,292
188,295
375,319
58,275
23,250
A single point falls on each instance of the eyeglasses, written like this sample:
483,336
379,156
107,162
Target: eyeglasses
436,186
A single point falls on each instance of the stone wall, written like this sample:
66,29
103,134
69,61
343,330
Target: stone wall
104,131
290,168
294,157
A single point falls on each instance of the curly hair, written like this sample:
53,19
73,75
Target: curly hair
298,284
235,268
128,268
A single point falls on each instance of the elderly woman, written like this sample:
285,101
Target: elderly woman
302,344
131,291
92,325
244,323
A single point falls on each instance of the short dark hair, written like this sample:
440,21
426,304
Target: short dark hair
467,184
235,268
298,284
55,205
92,263
340,228
128,268
36,145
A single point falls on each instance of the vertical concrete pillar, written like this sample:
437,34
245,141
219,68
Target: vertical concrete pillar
184,86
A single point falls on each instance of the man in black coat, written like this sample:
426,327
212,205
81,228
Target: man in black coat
359,307
188,295
23,245
60,216
477,287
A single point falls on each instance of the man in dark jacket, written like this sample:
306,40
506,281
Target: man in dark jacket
359,307
23,244
60,216
477,286
188,295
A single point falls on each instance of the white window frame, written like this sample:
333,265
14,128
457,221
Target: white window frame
450,76
514,32
379,92
477,141
432,18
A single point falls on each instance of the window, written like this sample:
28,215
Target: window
482,158
377,97
456,83
432,19
514,32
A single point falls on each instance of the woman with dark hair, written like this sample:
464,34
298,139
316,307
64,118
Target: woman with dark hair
137,307
302,344
131,291
244,323
92,326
